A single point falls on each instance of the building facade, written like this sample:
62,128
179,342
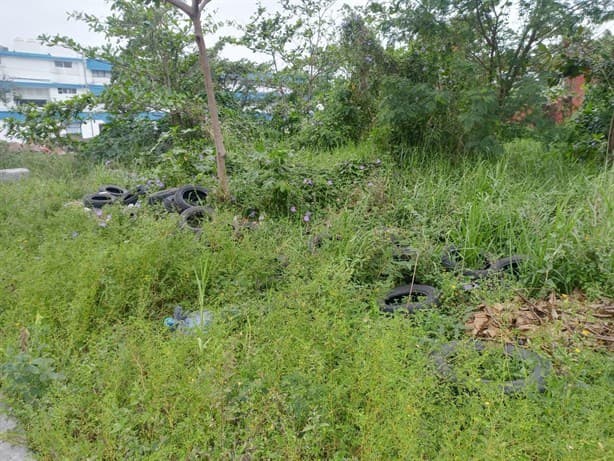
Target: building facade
28,75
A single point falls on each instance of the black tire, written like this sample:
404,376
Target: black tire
476,274
159,196
442,358
140,190
190,196
98,200
391,303
403,253
449,258
170,205
129,198
510,264
192,218
115,191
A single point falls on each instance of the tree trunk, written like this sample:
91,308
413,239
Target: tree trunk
611,137
218,139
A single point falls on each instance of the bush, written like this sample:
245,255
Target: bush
122,139
275,183
414,114
26,377
591,125
344,118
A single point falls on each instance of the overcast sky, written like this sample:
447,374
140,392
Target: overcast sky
29,18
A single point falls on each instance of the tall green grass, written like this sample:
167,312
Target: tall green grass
298,362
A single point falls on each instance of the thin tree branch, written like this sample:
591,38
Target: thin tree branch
202,5
181,5
479,60
478,15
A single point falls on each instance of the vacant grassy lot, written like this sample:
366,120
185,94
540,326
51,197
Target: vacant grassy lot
299,363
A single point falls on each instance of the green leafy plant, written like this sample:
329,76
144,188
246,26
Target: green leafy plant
27,377
46,125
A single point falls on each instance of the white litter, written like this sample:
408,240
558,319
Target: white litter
14,174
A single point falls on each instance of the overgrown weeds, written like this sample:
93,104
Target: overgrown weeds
298,362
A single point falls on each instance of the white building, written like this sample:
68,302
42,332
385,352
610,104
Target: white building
29,75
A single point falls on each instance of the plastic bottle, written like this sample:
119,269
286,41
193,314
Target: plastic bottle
191,320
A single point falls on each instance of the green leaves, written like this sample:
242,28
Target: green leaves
45,125
27,377
297,42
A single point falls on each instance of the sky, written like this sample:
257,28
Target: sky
29,18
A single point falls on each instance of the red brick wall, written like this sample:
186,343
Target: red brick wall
565,106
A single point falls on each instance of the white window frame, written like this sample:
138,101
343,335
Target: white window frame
74,128
101,73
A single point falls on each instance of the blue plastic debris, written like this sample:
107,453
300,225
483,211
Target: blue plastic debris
189,321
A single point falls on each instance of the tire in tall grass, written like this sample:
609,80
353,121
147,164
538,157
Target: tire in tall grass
450,256
98,200
442,357
450,260
158,197
510,264
420,297
170,205
115,191
190,196
129,198
194,217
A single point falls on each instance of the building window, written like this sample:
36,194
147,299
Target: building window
67,64
101,73
74,128
35,102
67,91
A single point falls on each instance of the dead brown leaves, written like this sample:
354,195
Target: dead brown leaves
565,318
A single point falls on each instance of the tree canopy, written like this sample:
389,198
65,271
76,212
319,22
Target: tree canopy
455,74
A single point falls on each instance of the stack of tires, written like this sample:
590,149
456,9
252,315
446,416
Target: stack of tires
189,201
110,193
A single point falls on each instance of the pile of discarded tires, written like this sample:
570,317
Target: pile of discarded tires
110,193
187,200
412,297
450,256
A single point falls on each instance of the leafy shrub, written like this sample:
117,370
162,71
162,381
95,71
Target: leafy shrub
275,183
344,118
591,125
27,377
420,115
479,120
415,114
122,139
45,125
